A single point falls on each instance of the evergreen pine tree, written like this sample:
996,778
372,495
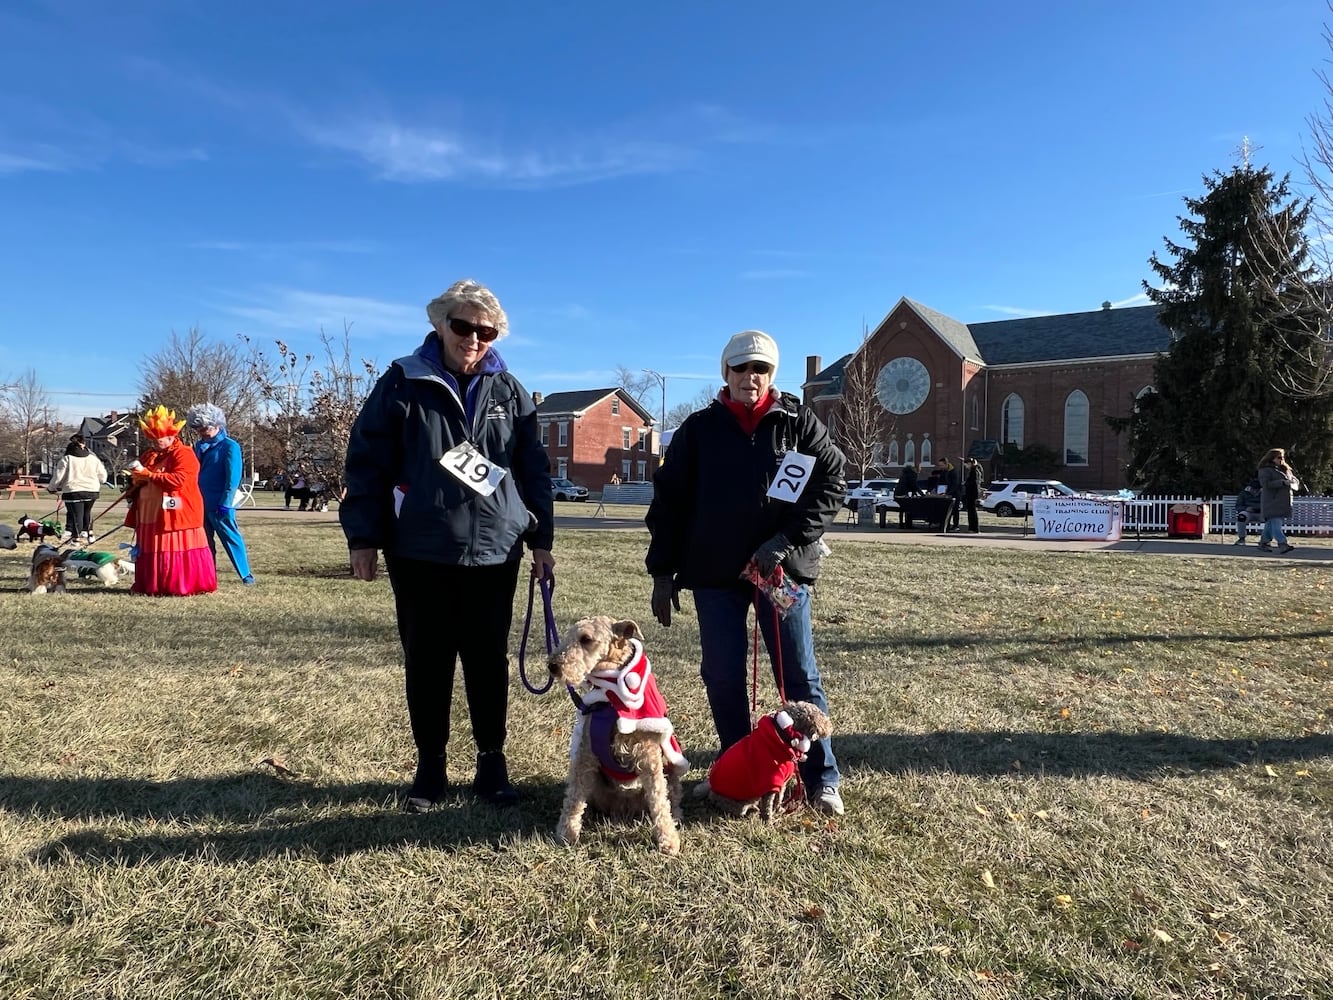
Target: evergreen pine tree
1217,404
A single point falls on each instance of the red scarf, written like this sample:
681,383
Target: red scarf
747,417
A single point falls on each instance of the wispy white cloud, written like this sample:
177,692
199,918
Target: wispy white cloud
773,274
286,309
31,160
404,152
276,248
1019,311
1134,300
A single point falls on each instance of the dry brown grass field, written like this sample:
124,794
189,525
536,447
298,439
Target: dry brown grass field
1067,775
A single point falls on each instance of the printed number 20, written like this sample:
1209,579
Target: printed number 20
792,475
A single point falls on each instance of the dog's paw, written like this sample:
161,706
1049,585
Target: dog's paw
670,846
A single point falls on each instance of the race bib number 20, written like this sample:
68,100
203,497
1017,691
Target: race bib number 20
790,480
472,469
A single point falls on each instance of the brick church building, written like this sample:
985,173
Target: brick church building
946,389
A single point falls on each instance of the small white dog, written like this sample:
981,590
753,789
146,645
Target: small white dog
102,566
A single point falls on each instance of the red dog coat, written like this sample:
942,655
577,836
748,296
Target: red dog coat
631,692
761,763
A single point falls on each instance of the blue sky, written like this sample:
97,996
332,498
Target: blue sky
635,181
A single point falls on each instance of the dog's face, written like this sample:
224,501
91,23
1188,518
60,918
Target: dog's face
590,644
48,570
809,720
8,537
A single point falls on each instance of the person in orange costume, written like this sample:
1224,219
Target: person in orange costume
167,514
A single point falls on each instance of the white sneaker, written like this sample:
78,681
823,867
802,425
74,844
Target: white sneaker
829,800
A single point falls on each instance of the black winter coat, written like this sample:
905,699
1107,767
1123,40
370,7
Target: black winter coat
710,509
410,419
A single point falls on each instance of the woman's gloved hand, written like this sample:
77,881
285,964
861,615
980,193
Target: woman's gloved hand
769,556
666,595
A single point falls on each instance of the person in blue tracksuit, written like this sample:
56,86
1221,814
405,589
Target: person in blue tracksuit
219,479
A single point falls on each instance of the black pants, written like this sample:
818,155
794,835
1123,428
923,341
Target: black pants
972,524
78,511
447,613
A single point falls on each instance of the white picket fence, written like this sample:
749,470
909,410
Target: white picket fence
1309,515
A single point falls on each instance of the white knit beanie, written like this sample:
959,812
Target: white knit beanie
749,345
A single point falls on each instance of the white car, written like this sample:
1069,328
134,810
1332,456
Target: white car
1007,497
878,490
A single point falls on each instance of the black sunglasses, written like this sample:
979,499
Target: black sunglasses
463,328
758,367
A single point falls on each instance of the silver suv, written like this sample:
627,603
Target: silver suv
564,489
1007,497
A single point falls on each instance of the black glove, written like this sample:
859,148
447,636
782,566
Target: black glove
769,556
666,595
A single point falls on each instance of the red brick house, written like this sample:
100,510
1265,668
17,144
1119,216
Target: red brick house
591,434
948,388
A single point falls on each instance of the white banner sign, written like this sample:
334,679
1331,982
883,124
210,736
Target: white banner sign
1069,517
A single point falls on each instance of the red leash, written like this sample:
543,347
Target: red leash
782,692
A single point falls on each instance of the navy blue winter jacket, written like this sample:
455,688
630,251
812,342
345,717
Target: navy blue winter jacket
415,414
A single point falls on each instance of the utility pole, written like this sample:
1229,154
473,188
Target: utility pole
661,380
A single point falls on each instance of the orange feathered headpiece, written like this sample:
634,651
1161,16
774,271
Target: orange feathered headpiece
160,423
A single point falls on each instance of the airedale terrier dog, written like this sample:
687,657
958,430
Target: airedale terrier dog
624,758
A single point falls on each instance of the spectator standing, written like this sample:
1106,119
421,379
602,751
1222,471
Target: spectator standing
78,478
446,474
1249,507
972,492
1278,482
220,468
718,505
952,482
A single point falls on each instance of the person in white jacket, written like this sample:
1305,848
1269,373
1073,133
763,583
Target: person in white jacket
78,478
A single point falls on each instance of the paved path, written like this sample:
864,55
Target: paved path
1009,534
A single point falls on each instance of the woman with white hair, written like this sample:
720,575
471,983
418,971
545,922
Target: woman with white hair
446,475
220,467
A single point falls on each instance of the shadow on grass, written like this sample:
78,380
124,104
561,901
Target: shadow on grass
264,818
1136,756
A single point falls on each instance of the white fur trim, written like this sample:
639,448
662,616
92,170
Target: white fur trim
804,745
783,720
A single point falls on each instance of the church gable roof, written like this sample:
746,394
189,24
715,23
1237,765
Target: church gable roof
1070,336
957,335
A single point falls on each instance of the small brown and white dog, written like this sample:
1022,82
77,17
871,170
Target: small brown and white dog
624,758
759,772
48,570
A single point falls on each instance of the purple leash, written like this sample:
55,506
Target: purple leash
547,582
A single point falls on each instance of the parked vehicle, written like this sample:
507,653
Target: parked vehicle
878,490
567,490
1007,497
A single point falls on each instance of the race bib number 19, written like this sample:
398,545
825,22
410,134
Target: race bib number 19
472,469
792,475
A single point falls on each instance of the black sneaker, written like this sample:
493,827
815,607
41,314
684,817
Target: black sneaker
428,786
1285,549
1264,547
492,781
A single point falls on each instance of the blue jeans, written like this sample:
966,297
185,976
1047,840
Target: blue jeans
221,522
1273,532
725,640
